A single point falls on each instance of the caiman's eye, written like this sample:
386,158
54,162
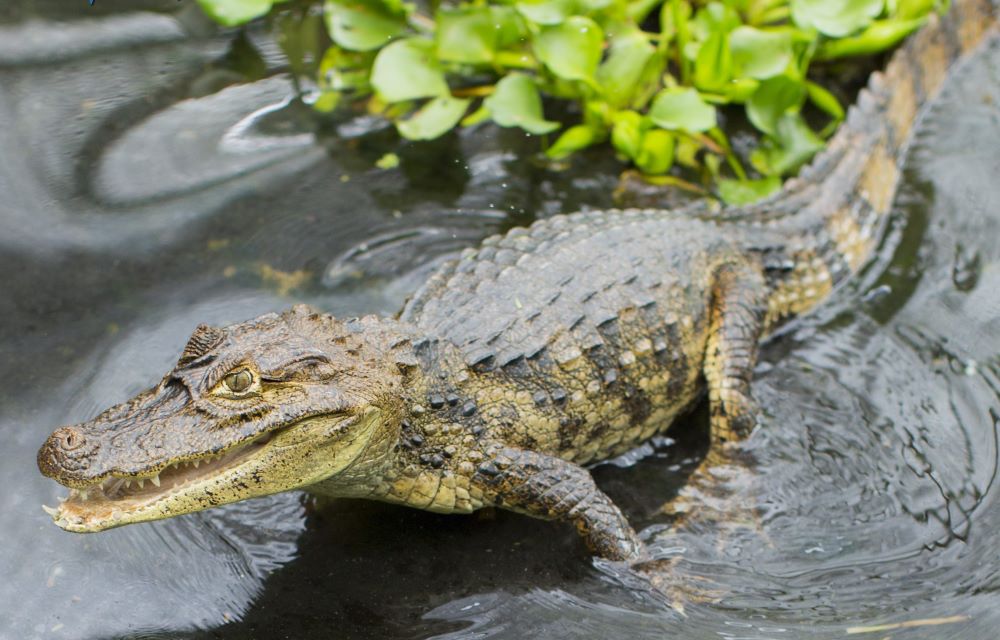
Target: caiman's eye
238,381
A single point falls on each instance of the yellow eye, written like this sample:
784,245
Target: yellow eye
238,381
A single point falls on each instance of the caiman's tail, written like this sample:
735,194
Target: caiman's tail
831,215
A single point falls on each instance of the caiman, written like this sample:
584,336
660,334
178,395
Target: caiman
522,361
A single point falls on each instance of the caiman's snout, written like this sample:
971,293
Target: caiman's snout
66,455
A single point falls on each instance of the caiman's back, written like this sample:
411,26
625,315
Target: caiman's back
584,334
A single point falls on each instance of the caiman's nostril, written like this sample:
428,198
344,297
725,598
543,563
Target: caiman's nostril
69,438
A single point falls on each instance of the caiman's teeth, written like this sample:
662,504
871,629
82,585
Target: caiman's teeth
63,498
196,463
83,494
128,483
49,510
155,480
141,482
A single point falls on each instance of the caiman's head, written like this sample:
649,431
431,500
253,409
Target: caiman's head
252,409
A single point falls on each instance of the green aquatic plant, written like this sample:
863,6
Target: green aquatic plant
647,76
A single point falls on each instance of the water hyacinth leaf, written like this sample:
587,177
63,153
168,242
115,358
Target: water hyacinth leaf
343,70
836,18
326,101
362,25
878,36
433,119
713,66
387,161
825,101
760,54
637,10
515,103
626,133
572,49
509,26
549,13
772,100
482,114
234,12
715,17
592,6
680,108
573,139
466,35
906,9
793,145
656,152
649,80
620,74
740,90
740,192
686,152
407,70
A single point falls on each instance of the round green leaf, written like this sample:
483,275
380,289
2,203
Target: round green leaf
836,18
592,6
435,118
793,144
906,9
571,50
387,161
620,74
362,25
515,103
466,35
682,108
772,100
740,192
234,12
715,17
878,36
626,133
550,12
760,54
825,101
713,66
510,27
656,152
407,70
573,139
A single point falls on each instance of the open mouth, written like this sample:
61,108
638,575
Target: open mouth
121,500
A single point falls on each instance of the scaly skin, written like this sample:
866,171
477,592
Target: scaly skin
538,352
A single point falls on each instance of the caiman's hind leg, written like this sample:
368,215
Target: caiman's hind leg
738,306
711,499
551,488
737,317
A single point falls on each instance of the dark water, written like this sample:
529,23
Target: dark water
147,184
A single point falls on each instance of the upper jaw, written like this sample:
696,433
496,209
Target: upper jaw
115,500
261,466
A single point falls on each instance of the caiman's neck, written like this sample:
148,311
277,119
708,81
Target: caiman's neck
439,390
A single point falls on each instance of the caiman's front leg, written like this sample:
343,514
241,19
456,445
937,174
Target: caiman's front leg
548,487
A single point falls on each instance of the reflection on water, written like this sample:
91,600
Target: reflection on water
150,182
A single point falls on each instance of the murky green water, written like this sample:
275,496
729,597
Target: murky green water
146,187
